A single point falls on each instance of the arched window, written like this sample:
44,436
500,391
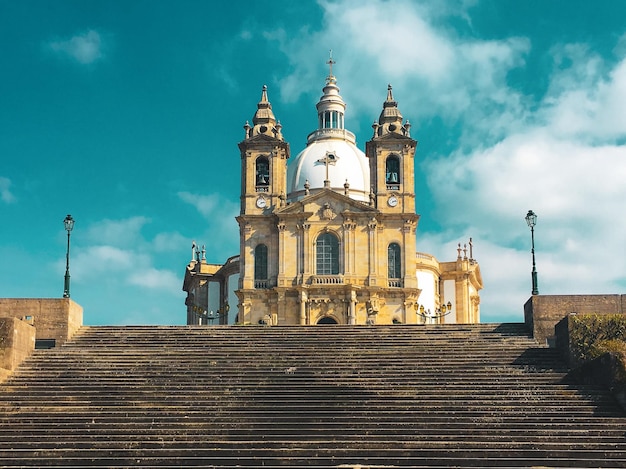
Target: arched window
262,171
260,262
392,170
394,261
327,254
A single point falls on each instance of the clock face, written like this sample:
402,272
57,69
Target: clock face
393,201
261,202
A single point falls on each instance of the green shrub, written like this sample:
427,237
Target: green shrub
592,335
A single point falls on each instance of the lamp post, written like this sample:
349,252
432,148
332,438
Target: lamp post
212,316
69,225
431,317
531,220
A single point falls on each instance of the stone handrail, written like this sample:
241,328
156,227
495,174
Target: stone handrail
327,280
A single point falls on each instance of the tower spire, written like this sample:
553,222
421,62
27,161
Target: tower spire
390,119
264,121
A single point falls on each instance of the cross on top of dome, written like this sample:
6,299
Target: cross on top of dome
331,62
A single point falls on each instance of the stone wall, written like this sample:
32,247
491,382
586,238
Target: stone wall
17,341
53,318
543,312
606,370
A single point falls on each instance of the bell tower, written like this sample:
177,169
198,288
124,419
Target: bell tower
391,153
264,155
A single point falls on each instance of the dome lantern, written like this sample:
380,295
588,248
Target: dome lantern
331,155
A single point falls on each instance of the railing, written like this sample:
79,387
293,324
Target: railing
262,188
421,255
329,133
327,280
393,187
262,284
395,283
233,259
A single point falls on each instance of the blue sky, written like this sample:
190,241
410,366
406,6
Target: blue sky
127,115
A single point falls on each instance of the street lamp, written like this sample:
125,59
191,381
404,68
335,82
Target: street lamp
212,316
531,220
431,317
69,225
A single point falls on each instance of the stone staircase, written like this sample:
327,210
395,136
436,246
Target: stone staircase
483,395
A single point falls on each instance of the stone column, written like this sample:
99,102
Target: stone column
408,261
307,254
281,254
302,298
372,225
349,228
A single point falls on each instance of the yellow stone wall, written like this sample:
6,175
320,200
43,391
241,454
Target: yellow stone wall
53,318
17,342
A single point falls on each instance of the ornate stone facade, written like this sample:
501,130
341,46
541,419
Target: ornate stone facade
331,237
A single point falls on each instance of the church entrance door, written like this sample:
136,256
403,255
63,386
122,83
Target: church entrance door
327,320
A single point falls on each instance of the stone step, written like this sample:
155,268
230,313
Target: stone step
616,450
332,457
387,396
79,437
412,396
137,405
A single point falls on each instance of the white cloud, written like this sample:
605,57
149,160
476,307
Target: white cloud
163,242
156,279
434,72
586,103
85,48
403,40
571,182
562,155
213,206
5,191
126,232
110,264
114,252
569,168
97,261
220,231
205,204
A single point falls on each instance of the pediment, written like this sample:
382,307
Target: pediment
327,204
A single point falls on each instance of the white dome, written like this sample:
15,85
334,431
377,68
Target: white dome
331,158
346,163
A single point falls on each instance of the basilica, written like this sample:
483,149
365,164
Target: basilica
329,236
